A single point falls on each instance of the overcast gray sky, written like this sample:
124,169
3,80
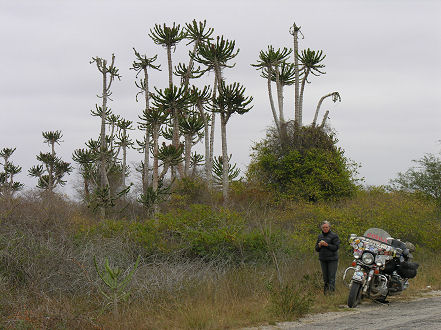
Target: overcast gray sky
382,56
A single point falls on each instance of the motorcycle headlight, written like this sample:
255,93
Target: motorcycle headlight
357,254
367,258
379,260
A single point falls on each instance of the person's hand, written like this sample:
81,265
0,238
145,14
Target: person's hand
322,243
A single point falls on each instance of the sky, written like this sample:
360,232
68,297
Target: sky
382,56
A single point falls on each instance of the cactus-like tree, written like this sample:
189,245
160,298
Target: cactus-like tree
8,186
218,170
169,37
52,169
201,99
109,72
335,97
311,63
273,64
191,126
231,100
141,65
215,57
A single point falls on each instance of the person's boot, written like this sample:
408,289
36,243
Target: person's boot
325,289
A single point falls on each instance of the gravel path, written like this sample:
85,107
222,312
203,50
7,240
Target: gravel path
422,313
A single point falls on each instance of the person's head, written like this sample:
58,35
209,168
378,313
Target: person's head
325,226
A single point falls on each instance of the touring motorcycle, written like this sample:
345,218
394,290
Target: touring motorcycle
382,266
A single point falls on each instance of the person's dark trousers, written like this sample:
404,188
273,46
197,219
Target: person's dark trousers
329,269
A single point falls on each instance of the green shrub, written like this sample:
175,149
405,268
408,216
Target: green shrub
291,300
307,170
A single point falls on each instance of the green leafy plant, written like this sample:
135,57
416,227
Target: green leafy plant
115,282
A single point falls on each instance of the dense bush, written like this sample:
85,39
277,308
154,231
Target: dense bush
196,232
308,166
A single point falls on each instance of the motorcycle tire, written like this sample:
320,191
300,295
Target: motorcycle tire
354,295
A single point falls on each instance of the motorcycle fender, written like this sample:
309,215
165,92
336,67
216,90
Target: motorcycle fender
358,276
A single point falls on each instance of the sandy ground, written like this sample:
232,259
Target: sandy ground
423,313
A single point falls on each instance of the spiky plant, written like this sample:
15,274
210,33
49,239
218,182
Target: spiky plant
142,64
8,186
231,100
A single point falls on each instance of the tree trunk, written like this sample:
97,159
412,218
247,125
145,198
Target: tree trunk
301,96
213,122
188,142
297,120
317,110
280,104
104,180
225,181
206,140
270,95
146,177
155,178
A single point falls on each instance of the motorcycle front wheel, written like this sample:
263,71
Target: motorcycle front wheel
354,295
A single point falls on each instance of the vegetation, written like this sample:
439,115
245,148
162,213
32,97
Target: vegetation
310,166
200,266
196,248
425,178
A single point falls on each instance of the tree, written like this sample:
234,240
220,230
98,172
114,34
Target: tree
52,169
124,142
141,65
218,170
424,178
231,100
335,97
109,73
191,127
294,31
8,186
201,99
169,37
215,57
310,64
271,63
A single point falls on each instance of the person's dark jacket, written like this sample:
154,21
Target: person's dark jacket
330,252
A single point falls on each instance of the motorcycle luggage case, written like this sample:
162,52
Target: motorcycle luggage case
408,269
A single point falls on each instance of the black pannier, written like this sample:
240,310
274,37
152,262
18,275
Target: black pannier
408,269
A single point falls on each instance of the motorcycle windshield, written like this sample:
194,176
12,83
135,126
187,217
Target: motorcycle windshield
377,234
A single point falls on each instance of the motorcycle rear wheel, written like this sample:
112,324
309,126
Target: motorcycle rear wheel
354,295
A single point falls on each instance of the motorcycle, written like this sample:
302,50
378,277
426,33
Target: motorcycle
381,266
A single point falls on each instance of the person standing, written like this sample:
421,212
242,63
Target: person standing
327,246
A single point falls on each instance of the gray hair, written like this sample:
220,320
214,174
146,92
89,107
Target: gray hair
325,223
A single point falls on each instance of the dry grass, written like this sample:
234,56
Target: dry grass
47,278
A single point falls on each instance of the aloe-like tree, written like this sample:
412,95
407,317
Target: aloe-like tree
215,57
335,97
170,156
142,64
191,126
195,161
52,169
109,72
8,186
294,31
201,99
124,142
175,101
87,160
218,170
274,67
169,37
196,33
311,63
231,100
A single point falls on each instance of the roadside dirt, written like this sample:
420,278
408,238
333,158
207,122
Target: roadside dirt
422,312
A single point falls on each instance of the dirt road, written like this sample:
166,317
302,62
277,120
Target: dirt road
421,313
